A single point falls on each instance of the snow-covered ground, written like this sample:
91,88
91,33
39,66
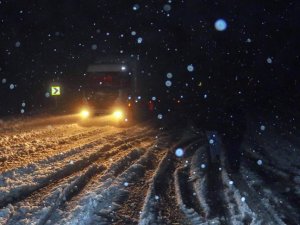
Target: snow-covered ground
54,172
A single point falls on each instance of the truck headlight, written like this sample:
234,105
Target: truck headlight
118,114
84,114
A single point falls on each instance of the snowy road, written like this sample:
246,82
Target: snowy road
54,171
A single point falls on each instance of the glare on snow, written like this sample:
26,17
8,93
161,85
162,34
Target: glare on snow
220,25
190,68
168,83
179,152
139,40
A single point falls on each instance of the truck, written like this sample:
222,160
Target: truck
110,86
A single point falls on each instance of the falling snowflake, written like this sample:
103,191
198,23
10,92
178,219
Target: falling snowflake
211,141
47,94
167,7
159,116
203,166
169,75
133,33
126,184
4,81
205,96
71,162
94,47
179,152
153,98
139,40
136,7
243,199
220,25
168,83
190,68
231,182
22,111
23,104
269,60
18,44
262,127
259,162
156,197
11,87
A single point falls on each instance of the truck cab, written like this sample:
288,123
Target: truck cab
107,87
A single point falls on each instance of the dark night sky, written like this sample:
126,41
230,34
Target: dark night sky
43,40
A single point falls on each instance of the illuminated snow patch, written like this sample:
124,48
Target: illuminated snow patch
259,162
220,25
168,83
190,68
169,75
179,152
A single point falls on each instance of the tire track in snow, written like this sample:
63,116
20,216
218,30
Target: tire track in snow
65,166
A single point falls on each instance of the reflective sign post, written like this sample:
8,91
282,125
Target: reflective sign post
55,90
